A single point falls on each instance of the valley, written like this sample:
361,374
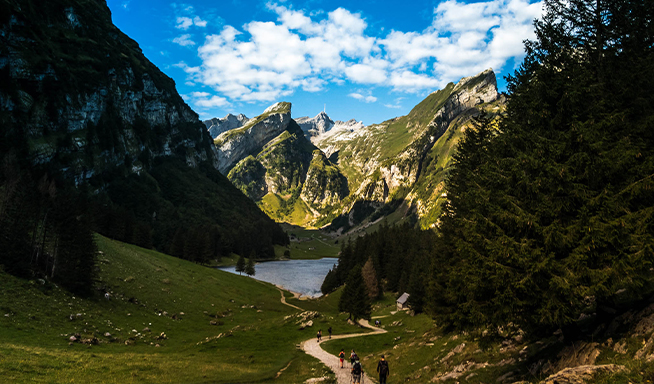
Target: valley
496,235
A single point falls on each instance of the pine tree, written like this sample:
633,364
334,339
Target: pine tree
557,207
370,279
240,264
354,299
249,268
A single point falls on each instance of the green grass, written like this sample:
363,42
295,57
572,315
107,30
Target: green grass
150,290
310,243
255,336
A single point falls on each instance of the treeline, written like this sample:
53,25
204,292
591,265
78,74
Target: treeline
550,216
392,259
44,231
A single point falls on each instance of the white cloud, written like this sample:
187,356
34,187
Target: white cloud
184,40
263,61
185,23
366,99
205,100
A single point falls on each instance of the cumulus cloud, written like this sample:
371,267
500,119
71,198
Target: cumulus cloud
262,61
205,100
184,40
185,23
366,99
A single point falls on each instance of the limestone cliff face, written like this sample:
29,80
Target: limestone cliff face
216,126
325,185
82,93
315,126
407,155
235,145
285,174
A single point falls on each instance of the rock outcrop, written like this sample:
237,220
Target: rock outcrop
315,126
216,126
407,155
82,92
324,185
234,145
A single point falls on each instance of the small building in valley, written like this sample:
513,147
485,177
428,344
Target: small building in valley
402,302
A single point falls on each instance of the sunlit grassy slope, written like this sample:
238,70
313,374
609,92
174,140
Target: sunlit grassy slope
250,342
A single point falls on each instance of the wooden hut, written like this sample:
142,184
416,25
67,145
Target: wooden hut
402,302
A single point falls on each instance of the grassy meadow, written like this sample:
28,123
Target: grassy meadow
171,321
155,327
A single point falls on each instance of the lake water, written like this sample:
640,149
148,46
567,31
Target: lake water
301,276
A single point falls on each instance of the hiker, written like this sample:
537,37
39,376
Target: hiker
382,369
341,357
319,334
330,332
356,372
353,357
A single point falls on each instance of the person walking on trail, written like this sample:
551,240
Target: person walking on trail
330,332
356,372
319,335
353,357
341,357
382,369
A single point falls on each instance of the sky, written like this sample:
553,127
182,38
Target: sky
365,60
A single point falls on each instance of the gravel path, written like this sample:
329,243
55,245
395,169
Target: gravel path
313,348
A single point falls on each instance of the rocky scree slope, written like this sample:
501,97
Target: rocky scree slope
79,101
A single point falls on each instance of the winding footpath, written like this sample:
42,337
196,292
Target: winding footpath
313,348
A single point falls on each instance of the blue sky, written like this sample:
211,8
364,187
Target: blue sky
367,60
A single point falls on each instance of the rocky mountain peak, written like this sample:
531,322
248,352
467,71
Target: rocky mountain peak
216,126
238,143
315,126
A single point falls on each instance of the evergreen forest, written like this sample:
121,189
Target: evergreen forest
549,222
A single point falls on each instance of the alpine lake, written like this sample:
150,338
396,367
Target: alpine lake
300,276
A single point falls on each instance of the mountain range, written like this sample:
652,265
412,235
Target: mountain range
319,172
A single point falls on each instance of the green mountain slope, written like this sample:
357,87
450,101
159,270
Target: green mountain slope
279,168
400,165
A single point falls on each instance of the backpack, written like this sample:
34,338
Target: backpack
341,355
356,368
383,368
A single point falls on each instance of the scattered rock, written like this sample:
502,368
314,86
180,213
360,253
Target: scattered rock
306,324
459,371
213,322
72,339
581,374
620,347
315,380
580,353
646,353
504,377
146,329
107,334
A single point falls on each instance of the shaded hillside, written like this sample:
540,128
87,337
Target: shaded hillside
83,109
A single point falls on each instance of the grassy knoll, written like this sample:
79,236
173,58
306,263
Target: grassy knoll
250,342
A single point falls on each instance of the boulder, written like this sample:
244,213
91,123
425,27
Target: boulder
581,374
